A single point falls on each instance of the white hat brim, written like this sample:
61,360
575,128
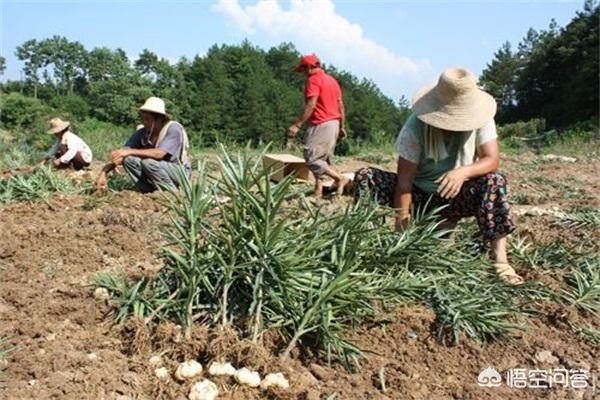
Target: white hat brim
459,116
151,110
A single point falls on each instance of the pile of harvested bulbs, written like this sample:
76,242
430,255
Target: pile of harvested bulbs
207,390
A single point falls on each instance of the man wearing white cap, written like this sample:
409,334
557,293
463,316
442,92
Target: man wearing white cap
448,156
69,150
154,155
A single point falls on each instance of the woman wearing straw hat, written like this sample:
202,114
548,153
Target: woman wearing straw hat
448,155
154,155
69,150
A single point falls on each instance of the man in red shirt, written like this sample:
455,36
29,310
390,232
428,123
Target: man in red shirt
324,111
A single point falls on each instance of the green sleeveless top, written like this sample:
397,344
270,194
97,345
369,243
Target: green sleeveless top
411,146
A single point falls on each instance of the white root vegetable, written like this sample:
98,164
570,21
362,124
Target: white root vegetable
205,390
155,361
246,377
188,369
101,294
275,380
162,374
219,369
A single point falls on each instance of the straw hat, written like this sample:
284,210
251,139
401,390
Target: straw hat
58,125
454,103
154,105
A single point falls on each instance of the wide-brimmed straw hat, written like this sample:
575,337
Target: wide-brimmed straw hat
154,105
58,125
454,103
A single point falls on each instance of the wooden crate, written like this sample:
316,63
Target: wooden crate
282,165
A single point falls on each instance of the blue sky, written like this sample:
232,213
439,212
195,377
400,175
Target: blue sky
401,45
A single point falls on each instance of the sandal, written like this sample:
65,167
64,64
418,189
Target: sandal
508,275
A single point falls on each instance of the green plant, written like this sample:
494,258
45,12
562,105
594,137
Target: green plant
589,333
4,351
240,255
520,198
579,218
583,286
37,185
119,182
102,136
521,129
17,155
127,299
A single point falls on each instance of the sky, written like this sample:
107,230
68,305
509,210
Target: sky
400,45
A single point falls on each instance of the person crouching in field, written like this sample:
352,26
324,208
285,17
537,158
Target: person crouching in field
324,109
448,155
69,150
154,155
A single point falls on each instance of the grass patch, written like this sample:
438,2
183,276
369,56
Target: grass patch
5,349
579,218
36,186
583,286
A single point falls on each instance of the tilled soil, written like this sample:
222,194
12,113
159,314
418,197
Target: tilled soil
66,346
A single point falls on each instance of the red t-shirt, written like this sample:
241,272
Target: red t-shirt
328,93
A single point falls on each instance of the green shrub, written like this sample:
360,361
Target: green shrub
23,112
528,129
27,119
71,105
102,136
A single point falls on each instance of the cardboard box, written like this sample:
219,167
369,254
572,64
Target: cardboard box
282,165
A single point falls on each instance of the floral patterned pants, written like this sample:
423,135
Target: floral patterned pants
484,198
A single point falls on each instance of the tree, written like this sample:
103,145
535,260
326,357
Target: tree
2,65
232,94
68,61
558,75
29,52
498,79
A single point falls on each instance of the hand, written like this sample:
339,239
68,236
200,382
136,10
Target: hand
401,223
451,182
293,130
101,183
56,162
342,133
116,156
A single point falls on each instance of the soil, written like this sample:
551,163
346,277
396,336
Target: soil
67,347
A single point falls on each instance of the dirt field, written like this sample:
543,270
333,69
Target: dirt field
68,348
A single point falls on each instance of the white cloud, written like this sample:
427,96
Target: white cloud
315,27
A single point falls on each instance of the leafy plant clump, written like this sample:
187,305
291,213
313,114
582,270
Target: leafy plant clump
242,253
37,185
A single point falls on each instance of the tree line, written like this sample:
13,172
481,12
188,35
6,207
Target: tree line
234,93
553,74
242,93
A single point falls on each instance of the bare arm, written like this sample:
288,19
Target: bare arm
155,153
102,179
343,114
116,157
403,191
489,158
309,107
